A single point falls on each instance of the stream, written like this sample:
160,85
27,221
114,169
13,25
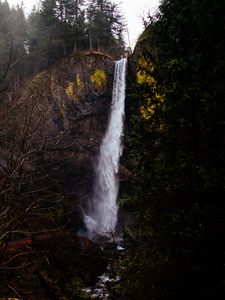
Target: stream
105,282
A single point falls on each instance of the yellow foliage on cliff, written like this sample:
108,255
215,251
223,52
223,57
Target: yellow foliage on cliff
145,69
73,88
151,105
99,78
70,89
155,97
80,84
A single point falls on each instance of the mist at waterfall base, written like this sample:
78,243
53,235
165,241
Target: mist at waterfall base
101,216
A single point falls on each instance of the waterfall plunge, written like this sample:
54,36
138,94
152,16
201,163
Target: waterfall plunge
101,218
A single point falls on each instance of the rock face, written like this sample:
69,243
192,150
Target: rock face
50,138
71,103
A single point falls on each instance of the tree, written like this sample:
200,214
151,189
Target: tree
26,193
13,35
177,111
57,29
79,27
105,26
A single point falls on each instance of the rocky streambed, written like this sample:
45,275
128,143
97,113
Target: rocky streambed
107,281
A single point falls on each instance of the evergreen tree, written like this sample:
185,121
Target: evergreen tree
13,38
178,153
55,30
105,26
79,24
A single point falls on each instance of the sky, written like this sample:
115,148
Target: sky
133,11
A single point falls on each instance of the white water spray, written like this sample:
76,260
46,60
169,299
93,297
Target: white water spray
101,218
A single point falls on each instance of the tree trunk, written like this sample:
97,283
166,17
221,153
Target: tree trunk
90,41
99,45
76,18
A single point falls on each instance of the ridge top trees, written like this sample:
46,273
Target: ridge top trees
105,25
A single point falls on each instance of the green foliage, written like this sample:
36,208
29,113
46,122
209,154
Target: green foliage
13,39
178,156
56,29
105,26
60,27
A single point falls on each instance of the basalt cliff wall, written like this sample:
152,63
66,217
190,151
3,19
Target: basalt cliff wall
72,103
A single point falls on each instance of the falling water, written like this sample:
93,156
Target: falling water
102,214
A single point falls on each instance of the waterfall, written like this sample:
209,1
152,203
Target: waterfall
101,217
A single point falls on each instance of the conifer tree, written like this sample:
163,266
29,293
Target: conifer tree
13,37
105,26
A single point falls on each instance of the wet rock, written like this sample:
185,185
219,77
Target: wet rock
72,103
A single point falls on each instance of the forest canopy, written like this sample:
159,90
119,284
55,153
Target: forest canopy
56,29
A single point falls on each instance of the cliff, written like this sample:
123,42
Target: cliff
71,102
50,137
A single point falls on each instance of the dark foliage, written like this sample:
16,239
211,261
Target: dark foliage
177,143
54,30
